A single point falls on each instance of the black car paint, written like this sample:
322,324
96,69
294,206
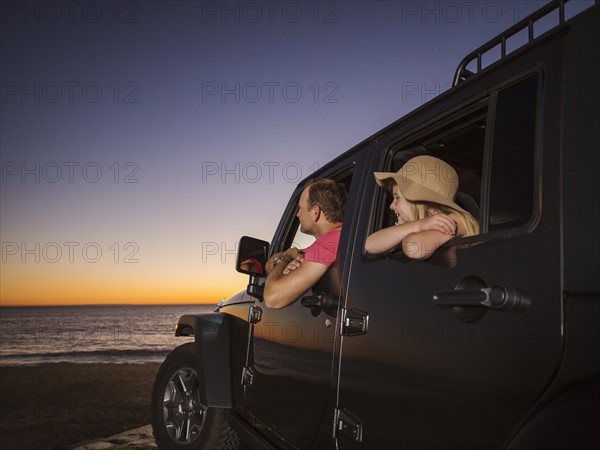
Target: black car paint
421,377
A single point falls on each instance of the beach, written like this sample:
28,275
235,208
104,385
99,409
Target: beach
53,406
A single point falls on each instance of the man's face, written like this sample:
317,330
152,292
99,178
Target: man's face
304,213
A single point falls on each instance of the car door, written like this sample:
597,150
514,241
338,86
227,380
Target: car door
292,349
430,375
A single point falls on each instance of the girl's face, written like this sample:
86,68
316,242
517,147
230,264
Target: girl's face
400,206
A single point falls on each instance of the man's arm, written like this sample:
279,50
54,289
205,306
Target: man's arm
282,290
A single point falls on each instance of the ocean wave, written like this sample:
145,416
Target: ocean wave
102,356
90,334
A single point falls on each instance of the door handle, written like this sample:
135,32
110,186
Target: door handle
472,297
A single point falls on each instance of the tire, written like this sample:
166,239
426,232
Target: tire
179,420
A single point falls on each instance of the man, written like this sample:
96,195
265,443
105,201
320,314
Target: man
293,272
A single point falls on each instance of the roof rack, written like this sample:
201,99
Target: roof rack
462,73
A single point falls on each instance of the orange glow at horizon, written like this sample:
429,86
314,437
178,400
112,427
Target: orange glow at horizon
53,286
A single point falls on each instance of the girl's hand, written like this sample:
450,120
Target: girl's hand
438,222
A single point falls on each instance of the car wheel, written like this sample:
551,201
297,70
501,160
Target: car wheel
179,419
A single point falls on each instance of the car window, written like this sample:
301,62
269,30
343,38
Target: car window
302,240
491,144
511,194
293,237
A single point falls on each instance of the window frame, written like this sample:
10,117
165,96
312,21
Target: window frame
537,158
450,121
285,238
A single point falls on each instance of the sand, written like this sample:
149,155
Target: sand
59,405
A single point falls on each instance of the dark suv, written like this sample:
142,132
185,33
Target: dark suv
491,343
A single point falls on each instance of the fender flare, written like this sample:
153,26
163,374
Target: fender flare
220,344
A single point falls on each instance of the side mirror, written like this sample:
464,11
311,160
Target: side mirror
252,256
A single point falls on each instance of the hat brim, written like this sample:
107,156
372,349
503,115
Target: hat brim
382,177
415,191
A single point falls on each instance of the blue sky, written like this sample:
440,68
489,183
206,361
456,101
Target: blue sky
139,140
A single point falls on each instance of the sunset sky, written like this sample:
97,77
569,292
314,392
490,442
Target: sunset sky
140,140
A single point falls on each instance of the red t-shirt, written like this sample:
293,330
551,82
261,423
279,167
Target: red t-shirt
324,250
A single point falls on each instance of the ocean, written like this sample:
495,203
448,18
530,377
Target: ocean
90,334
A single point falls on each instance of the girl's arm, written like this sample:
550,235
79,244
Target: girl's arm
389,238
423,244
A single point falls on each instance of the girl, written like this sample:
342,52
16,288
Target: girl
426,214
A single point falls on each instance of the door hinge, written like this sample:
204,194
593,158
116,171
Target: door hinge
247,376
254,314
354,322
347,423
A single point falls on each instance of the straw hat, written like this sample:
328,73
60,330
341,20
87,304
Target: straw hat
425,179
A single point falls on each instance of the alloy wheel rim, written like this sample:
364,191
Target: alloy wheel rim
183,413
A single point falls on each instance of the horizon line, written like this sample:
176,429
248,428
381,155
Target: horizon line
106,304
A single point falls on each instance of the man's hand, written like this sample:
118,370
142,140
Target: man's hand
294,264
282,289
288,256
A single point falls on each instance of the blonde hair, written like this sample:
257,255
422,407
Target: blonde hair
464,220
419,210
